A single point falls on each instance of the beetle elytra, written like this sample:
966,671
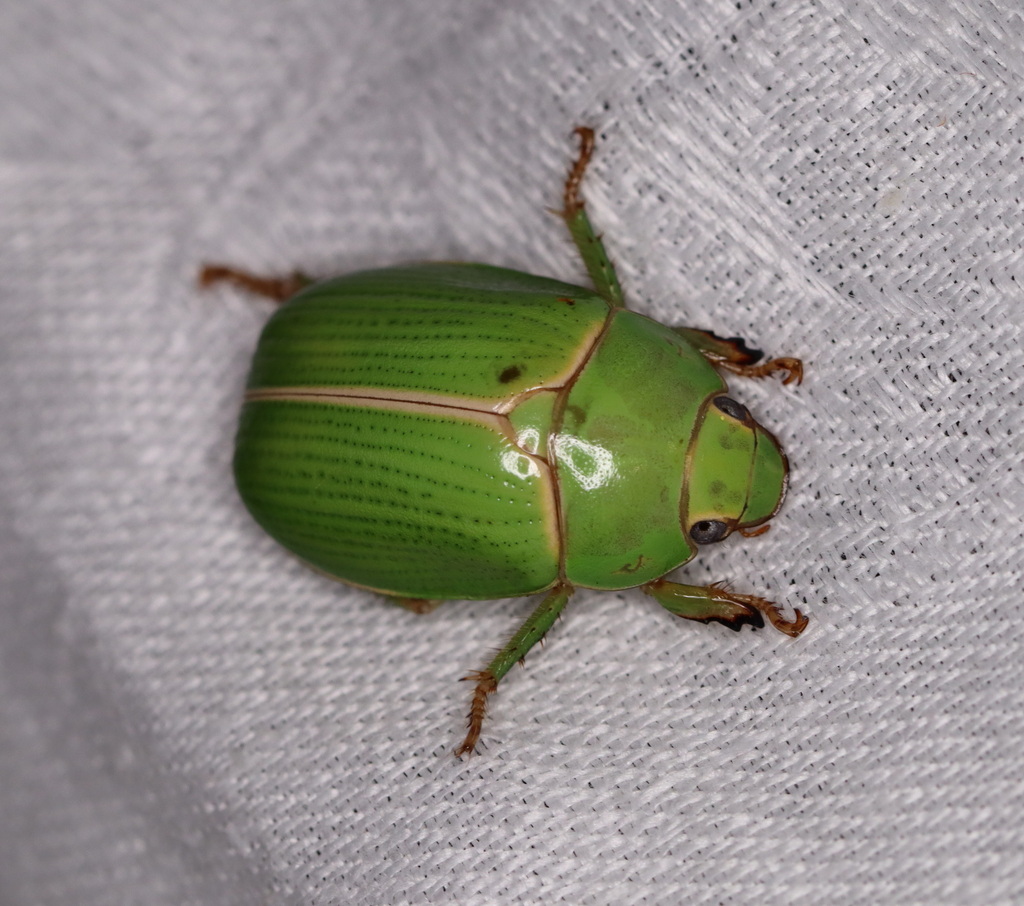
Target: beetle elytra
453,431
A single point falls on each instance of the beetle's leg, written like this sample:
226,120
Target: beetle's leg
416,605
531,632
794,369
734,355
719,349
717,603
280,289
595,258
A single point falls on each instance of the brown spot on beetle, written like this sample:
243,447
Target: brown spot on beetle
578,413
510,374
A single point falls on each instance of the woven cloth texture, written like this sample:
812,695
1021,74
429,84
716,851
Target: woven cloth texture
189,716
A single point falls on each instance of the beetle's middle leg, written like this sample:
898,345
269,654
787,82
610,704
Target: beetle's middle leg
531,632
280,289
716,602
734,355
595,258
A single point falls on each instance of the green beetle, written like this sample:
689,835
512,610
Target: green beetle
443,431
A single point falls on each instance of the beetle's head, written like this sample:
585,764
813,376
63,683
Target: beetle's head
736,473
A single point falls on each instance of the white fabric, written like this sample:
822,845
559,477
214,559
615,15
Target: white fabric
187,715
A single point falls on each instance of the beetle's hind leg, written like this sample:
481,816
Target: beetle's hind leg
595,258
734,355
717,603
280,289
531,632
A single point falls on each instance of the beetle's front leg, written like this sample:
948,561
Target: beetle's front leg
715,602
591,248
280,289
734,355
531,632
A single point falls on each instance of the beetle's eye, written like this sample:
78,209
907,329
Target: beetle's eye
731,408
708,531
